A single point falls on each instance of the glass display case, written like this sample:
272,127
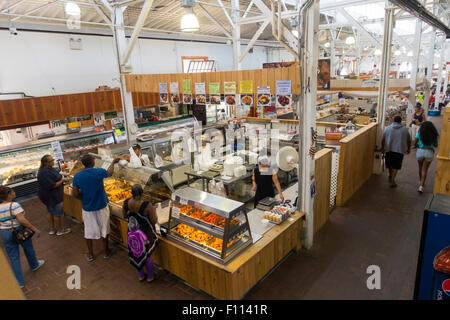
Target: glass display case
74,148
21,164
211,113
212,225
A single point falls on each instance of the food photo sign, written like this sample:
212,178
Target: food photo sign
230,92
246,89
200,93
214,92
187,92
284,94
263,100
163,93
174,92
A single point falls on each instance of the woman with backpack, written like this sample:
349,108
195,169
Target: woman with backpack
142,237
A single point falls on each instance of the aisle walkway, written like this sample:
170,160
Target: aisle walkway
378,226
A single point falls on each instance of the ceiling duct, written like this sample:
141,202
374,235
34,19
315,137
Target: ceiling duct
418,10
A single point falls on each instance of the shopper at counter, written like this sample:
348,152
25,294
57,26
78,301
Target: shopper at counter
142,237
396,142
425,140
50,192
262,181
13,215
88,186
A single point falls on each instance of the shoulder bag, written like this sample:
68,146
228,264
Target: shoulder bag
20,234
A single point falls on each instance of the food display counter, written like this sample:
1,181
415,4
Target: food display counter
20,163
206,222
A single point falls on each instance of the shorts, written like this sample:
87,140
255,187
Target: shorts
425,154
56,210
96,223
394,160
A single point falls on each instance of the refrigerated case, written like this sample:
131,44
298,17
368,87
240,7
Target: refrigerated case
73,148
19,167
211,114
205,222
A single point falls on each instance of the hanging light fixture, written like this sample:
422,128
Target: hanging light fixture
350,40
397,52
72,9
377,52
189,21
410,53
327,45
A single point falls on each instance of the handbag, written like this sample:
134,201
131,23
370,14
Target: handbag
20,234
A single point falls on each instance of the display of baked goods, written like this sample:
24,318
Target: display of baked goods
200,236
284,100
230,100
247,100
183,230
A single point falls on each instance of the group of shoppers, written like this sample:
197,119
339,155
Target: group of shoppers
397,142
87,186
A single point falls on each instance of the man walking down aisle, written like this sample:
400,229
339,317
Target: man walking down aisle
88,185
396,142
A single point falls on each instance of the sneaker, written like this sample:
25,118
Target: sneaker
41,263
420,189
52,232
392,184
65,231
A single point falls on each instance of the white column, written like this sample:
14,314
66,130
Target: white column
414,65
429,65
384,82
439,77
236,35
308,95
333,58
120,46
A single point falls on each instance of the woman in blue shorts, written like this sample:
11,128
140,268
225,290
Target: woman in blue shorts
426,140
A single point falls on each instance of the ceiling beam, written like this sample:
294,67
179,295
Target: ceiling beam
253,40
35,9
13,5
359,26
226,13
101,13
217,23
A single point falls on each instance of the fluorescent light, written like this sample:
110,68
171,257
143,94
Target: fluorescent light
377,52
189,21
72,9
350,40
295,32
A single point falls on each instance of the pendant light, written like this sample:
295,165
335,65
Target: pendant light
350,40
189,21
327,45
72,9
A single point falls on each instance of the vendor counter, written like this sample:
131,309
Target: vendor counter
270,244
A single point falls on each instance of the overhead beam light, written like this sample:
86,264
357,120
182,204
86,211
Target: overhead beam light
189,21
72,9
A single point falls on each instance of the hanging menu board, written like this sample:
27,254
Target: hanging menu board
200,93
187,93
284,94
163,93
214,92
174,92
246,89
230,93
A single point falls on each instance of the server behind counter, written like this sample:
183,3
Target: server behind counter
262,181
138,151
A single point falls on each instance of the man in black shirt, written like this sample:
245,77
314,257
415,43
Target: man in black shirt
51,192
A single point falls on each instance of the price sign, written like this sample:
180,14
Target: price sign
176,212
246,86
158,161
187,86
57,152
183,201
118,132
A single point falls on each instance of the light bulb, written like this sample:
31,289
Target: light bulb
327,45
189,21
350,40
72,9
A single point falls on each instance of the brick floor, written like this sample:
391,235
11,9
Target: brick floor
378,226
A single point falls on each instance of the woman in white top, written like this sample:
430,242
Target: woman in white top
9,209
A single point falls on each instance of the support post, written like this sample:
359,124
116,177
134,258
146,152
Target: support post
414,66
236,35
120,46
429,65
308,52
439,77
384,82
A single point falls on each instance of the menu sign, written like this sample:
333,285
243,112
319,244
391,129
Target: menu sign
263,96
214,92
163,93
284,94
187,86
200,93
246,88
174,92
230,93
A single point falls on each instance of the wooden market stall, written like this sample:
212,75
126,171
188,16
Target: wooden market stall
442,179
322,171
9,288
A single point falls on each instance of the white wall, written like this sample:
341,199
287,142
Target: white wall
42,64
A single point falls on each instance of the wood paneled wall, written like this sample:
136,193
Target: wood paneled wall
355,162
30,111
260,77
323,185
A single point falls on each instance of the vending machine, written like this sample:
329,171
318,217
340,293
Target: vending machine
433,266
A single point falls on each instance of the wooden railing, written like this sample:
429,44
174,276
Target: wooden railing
355,161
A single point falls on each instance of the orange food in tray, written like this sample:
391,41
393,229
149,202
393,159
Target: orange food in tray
183,229
186,208
198,213
216,244
213,218
200,236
